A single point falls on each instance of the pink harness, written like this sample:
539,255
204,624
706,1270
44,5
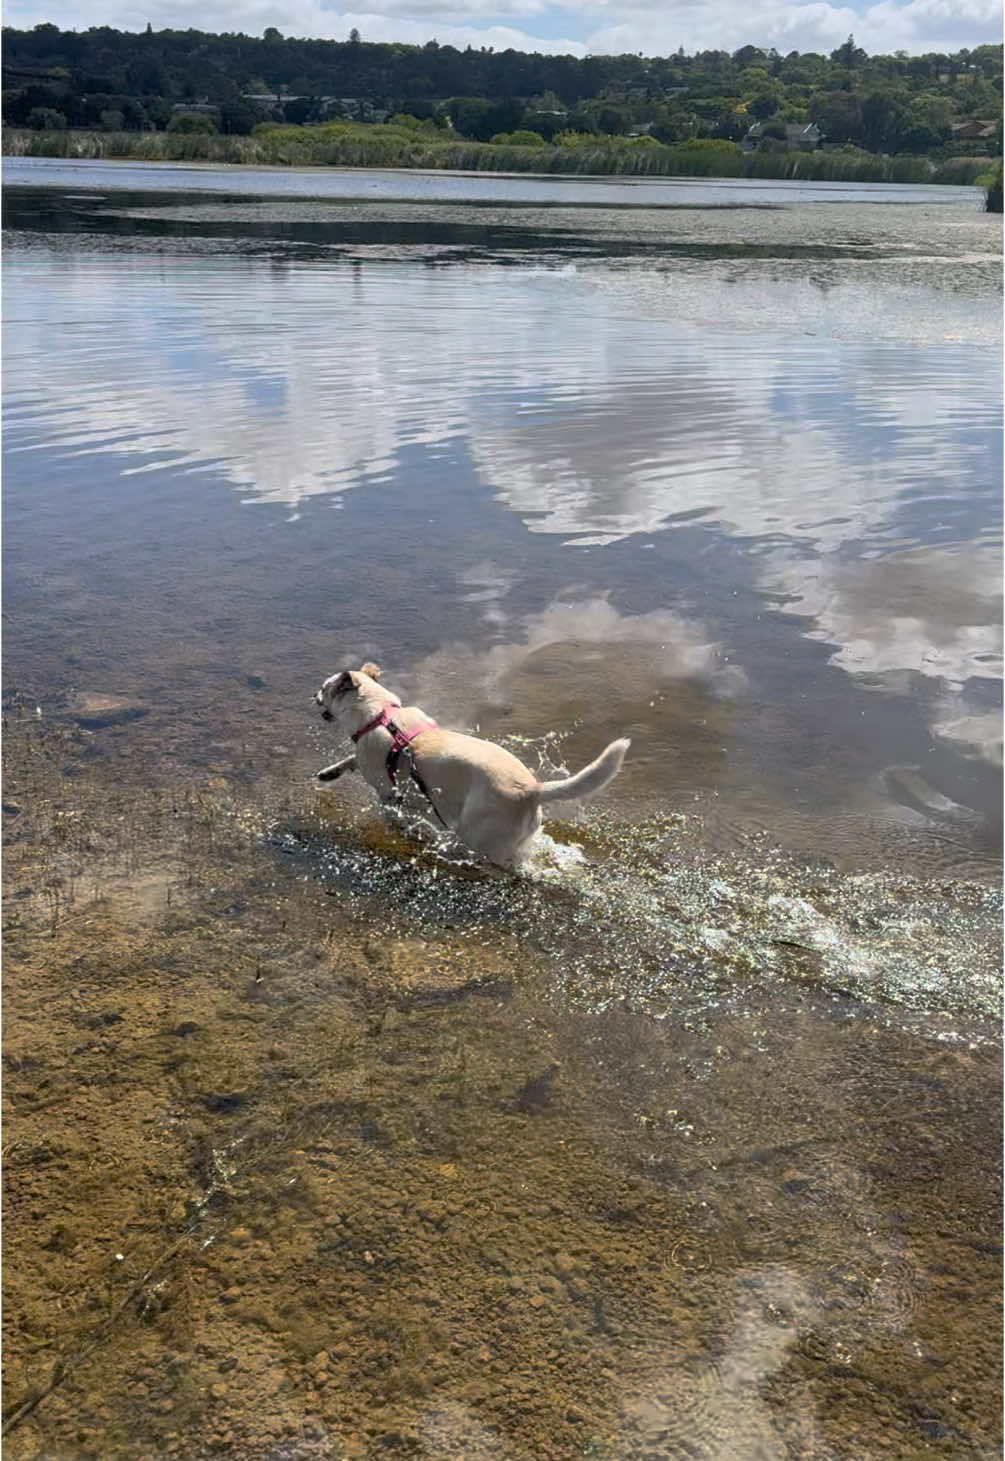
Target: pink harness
400,739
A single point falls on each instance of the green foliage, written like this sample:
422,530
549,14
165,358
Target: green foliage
707,147
573,139
518,139
992,184
838,114
888,104
46,119
354,144
192,123
238,118
961,172
404,121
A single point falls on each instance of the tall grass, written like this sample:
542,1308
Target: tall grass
991,182
963,171
139,146
348,144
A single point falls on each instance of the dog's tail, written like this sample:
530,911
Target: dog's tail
591,779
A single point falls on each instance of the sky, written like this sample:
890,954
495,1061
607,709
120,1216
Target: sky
654,27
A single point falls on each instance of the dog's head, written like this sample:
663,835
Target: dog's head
340,691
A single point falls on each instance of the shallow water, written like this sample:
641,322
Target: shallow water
434,187
686,1142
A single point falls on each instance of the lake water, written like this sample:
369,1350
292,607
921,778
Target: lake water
705,1110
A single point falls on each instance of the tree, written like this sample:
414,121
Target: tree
884,120
81,74
764,103
237,118
192,122
544,123
480,120
613,120
145,76
730,124
849,54
838,114
761,92
518,139
158,111
46,119
407,123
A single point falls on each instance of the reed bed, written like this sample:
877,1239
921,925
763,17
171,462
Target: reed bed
342,144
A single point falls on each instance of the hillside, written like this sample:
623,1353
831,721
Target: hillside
939,106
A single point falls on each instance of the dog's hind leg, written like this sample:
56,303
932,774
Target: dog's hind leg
502,843
332,773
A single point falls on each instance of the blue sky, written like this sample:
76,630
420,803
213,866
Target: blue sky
655,27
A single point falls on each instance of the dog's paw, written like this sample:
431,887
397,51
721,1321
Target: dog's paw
330,773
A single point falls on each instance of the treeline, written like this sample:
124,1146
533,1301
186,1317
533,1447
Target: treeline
937,105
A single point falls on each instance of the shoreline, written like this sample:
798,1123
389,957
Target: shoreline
617,163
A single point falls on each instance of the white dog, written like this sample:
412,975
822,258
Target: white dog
478,790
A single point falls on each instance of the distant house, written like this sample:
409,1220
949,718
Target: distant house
799,136
196,108
641,131
974,130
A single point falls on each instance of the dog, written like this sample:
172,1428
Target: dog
477,790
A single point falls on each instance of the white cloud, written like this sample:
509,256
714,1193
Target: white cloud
919,25
649,26
594,431
634,653
932,611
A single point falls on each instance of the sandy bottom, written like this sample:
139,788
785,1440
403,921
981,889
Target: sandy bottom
312,1150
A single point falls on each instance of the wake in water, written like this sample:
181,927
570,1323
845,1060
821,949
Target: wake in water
640,915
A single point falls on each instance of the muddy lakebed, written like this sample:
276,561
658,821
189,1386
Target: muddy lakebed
320,1140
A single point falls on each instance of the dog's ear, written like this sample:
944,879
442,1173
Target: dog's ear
370,669
344,683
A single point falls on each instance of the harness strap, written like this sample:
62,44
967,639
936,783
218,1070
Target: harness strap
425,792
382,719
400,739
400,742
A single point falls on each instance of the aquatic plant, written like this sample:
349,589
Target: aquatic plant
399,144
992,184
962,171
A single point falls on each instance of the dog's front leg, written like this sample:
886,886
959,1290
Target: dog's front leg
332,773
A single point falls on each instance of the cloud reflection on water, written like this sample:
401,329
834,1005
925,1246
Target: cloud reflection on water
830,460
